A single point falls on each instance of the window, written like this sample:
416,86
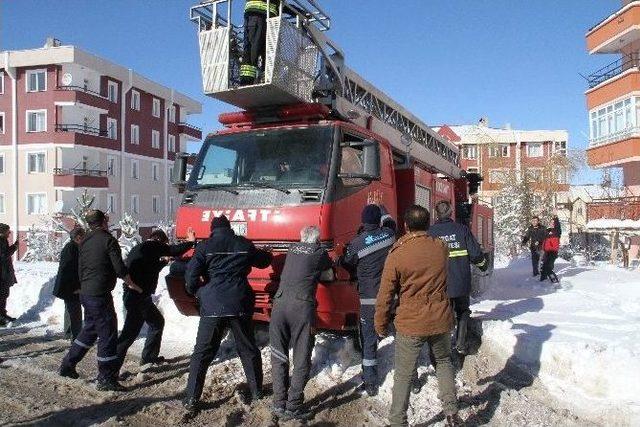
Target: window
496,201
36,120
112,128
36,162
472,170
1,82
1,163
1,122
480,230
111,166
172,114
423,196
172,205
171,173
112,91
134,169
135,134
498,176
537,200
470,152
155,139
135,100
561,176
612,119
36,204
534,174
534,149
36,80
560,148
499,150
2,208
154,171
155,206
135,204
111,203
172,143
155,110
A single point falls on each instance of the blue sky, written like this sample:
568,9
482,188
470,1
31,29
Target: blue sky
448,61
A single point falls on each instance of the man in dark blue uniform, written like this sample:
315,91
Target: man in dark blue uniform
464,250
226,301
366,253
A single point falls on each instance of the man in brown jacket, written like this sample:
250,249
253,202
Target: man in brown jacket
416,271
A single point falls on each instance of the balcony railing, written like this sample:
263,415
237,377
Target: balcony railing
79,172
615,137
81,89
81,128
190,126
615,68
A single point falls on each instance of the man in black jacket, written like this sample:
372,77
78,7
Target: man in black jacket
145,261
67,286
292,323
7,274
226,300
100,264
535,235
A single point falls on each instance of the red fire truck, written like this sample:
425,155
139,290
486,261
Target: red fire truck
313,145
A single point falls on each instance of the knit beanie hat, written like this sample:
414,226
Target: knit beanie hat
371,214
220,222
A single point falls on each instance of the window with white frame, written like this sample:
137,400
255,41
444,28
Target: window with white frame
135,134
472,170
470,152
534,149
134,169
1,164
170,173
36,120
498,176
561,176
36,162
534,174
1,82
2,207
135,204
2,122
36,203
36,80
172,205
155,204
172,114
499,150
614,118
560,148
111,203
172,143
112,91
135,100
155,139
111,166
155,110
155,168
112,128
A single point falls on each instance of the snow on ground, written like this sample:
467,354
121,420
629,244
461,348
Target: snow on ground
581,338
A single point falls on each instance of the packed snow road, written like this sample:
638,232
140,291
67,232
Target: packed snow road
515,377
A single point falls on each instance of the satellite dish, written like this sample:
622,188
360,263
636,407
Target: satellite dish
58,206
67,79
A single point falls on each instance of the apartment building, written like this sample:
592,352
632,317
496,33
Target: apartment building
497,153
71,121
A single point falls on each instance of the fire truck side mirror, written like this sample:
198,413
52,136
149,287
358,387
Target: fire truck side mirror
179,177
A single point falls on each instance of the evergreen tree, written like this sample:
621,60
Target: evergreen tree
129,234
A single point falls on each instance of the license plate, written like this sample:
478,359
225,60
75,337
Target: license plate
240,228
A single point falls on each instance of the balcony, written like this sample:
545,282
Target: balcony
627,62
614,84
191,131
616,31
79,96
81,128
75,177
71,133
614,149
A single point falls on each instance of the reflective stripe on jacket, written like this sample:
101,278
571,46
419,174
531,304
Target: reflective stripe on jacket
260,6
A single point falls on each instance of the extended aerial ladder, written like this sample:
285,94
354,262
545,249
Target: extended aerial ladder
302,65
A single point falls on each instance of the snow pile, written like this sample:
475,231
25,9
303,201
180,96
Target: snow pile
606,223
581,339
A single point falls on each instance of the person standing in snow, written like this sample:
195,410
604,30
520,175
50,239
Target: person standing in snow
99,265
366,253
625,247
416,273
145,261
464,250
7,274
226,301
67,285
551,246
535,235
292,323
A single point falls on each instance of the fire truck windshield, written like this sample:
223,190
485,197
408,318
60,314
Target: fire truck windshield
281,158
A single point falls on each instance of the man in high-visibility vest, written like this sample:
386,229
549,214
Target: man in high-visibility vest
464,250
255,38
